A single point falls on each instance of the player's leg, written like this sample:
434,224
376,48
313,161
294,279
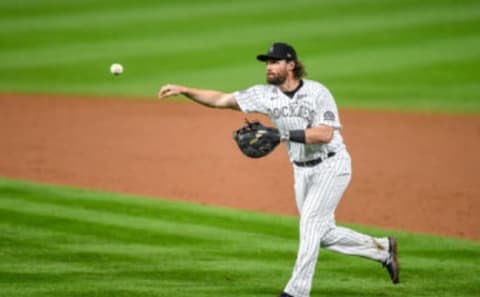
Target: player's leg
342,240
350,242
323,186
301,185
347,241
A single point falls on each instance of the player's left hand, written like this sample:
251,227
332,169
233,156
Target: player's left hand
256,140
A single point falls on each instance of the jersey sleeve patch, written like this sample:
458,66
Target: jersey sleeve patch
329,116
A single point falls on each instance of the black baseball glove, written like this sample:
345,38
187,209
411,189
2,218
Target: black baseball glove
256,140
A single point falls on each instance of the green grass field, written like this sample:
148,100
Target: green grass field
57,241
395,54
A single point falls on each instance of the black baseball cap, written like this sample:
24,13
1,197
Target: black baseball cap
279,51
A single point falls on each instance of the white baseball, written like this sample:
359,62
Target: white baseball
116,69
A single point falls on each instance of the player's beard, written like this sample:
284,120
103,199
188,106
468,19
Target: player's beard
276,79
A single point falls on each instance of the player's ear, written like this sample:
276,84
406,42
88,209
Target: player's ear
290,65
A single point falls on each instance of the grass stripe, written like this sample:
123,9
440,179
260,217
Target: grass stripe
330,22
167,211
174,230
329,67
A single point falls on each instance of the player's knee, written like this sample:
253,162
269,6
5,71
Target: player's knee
317,221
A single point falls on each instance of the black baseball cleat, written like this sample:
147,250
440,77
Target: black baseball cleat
392,264
285,295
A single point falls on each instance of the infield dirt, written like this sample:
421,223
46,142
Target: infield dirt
411,171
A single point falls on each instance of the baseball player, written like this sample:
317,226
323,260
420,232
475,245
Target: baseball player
305,113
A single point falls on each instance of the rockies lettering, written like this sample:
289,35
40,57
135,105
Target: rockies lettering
293,111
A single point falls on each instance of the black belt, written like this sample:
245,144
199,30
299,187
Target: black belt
311,163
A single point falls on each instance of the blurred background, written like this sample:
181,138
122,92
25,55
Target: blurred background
382,54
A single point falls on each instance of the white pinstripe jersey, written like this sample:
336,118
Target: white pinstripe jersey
311,106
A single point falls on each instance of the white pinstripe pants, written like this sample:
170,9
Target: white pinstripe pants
318,190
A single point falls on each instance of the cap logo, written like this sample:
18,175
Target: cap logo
289,55
271,49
